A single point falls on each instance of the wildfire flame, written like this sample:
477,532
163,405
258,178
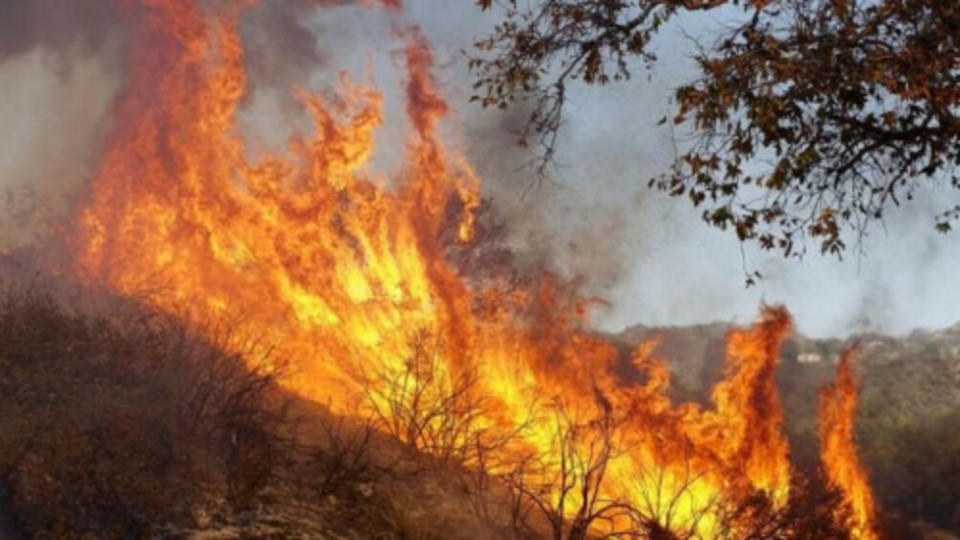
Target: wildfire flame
339,268
838,409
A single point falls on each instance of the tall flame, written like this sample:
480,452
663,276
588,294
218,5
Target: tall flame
838,410
340,268
748,399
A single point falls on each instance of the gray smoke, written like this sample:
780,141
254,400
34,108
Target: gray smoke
651,256
59,70
84,26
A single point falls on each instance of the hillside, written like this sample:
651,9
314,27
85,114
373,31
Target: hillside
121,422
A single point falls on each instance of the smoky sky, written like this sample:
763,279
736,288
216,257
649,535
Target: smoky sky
55,25
59,72
655,261
590,218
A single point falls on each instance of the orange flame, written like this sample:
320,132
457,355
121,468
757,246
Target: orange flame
838,410
747,400
339,269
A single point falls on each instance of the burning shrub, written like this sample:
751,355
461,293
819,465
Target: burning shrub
433,408
114,425
564,484
813,510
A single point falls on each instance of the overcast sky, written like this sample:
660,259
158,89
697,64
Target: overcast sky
648,255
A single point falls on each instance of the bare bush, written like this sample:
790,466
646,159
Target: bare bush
344,458
235,405
115,425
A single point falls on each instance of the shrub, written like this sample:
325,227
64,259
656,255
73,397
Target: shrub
116,423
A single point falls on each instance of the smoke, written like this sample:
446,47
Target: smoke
586,216
59,70
651,256
591,218
289,42
55,25
281,49
293,45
